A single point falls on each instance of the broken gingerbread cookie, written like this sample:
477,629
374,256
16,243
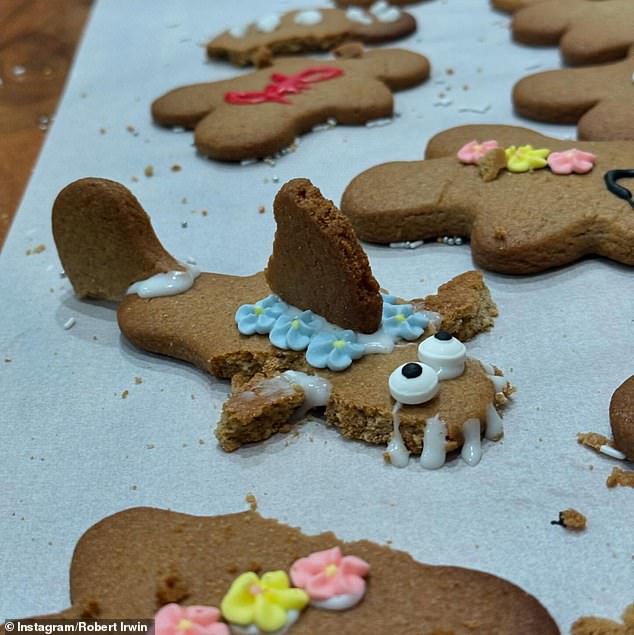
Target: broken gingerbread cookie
622,418
598,99
243,573
587,31
312,331
309,30
259,114
555,202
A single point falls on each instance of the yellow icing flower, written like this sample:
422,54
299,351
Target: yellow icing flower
525,158
265,601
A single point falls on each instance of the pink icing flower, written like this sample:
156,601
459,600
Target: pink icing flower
331,580
570,161
473,151
173,619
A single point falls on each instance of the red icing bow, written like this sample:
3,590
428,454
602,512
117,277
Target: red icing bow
284,85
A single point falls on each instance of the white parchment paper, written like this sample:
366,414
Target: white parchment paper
75,451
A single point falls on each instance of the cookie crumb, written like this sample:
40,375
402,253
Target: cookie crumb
124,394
38,249
599,443
601,626
149,171
184,200
491,164
138,380
571,519
261,209
176,168
252,500
102,131
133,488
500,233
449,71
624,478
204,212
132,130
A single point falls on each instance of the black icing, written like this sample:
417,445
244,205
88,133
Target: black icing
611,179
412,370
443,336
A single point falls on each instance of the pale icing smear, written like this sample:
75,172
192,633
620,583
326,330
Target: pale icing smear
252,629
316,389
494,427
268,23
396,450
355,14
434,452
309,17
383,12
338,602
165,284
499,382
472,446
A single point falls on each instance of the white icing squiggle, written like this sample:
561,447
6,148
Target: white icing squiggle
316,389
499,382
494,429
472,446
237,31
354,14
434,452
268,23
310,17
165,284
396,450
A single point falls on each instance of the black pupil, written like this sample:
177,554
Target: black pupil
412,370
443,336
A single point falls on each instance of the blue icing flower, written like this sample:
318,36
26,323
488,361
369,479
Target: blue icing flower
401,320
295,331
334,349
259,317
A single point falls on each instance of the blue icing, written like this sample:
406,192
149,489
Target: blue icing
334,350
295,331
401,320
259,317
388,298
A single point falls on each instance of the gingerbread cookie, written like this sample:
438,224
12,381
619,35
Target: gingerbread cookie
196,574
423,395
309,30
556,201
587,31
599,99
622,417
258,114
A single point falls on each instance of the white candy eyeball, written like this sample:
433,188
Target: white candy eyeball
413,383
444,353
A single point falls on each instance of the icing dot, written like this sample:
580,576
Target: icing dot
443,336
308,17
412,370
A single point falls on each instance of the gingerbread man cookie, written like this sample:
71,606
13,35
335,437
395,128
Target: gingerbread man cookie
599,99
622,418
258,114
309,30
195,574
555,202
587,31
424,395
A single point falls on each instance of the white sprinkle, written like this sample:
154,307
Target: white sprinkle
248,161
608,450
407,244
275,179
69,323
191,260
458,240
479,111
378,123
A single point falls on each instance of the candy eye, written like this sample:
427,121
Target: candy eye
413,383
444,353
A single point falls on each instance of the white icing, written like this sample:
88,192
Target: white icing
268,23
434,452
273,386
494,428
499,382
378,342
488,369
398,453
355,14
414,390
447,357
252,629
472,446
339,602
309,17
608,450
164,284
238,31
316,389
383,12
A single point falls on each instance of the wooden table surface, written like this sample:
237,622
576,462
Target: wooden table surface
38,39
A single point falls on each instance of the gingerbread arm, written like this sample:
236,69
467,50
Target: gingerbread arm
543,24
396,68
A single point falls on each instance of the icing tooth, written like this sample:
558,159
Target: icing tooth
164,284
488,368
309,17
472,446
238,31
316,389
608,450
494,428
434,452
268,23
355,14
499,382
398,453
